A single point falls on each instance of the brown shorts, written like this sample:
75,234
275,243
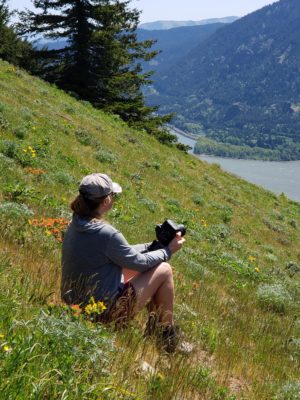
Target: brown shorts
123,307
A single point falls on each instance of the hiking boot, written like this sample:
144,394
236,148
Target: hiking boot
168,338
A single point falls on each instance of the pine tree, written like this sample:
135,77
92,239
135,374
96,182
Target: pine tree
69,21
12,48
101,61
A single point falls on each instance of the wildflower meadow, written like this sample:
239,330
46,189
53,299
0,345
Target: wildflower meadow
237,277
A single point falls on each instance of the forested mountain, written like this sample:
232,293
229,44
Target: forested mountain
242,85
174,44
164,25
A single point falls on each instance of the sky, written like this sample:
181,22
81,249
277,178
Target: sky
182,10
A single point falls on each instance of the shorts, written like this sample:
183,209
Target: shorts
123,307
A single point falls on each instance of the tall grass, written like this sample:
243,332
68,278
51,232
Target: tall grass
237,278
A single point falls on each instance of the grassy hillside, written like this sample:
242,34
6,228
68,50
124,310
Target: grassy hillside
237,278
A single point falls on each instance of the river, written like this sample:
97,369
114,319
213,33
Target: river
277,176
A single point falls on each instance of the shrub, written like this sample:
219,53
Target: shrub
198,200
292,268
271,257
226,212
196,270
20,132
230,262
2,107
274,297
273,227
15,210
84,137
290,391
26,113
173,205
151,205
17,192
9,148
3,122
68,159
63,177
294,346
218,232
226,215
69,109
154,165
106,157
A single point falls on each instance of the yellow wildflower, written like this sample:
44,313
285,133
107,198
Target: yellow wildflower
7,349
2,336
256,269
251,258
94,307
160,376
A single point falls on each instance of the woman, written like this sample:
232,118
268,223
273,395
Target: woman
94,254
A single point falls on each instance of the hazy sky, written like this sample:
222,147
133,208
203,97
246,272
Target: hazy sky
153,10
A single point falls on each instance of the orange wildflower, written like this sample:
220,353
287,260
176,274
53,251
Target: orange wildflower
54,226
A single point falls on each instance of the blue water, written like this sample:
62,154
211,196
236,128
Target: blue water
277,176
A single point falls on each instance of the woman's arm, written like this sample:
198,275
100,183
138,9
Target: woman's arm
140,247
122,254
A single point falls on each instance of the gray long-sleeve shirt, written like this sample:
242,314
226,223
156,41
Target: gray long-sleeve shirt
93,256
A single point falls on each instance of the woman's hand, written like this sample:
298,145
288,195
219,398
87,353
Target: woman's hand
176,243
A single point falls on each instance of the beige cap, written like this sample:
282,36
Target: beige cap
95,186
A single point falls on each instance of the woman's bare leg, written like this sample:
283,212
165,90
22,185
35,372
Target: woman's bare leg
129,274
156,286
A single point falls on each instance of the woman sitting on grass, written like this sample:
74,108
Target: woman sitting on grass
95,253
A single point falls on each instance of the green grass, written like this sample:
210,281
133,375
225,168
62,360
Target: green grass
237,278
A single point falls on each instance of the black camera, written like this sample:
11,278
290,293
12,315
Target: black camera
165,232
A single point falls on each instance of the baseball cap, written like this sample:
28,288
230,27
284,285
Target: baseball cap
95,186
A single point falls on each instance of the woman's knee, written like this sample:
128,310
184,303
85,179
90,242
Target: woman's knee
165,270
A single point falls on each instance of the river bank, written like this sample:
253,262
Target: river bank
277,176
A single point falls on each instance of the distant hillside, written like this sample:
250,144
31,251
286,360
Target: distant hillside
174,44
51,45
165,38
163,25
242,85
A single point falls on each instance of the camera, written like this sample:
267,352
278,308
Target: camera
165,232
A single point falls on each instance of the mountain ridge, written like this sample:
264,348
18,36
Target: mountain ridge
169,24
174,43
241,84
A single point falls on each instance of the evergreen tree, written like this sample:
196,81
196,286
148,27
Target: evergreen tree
101,61
12,48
